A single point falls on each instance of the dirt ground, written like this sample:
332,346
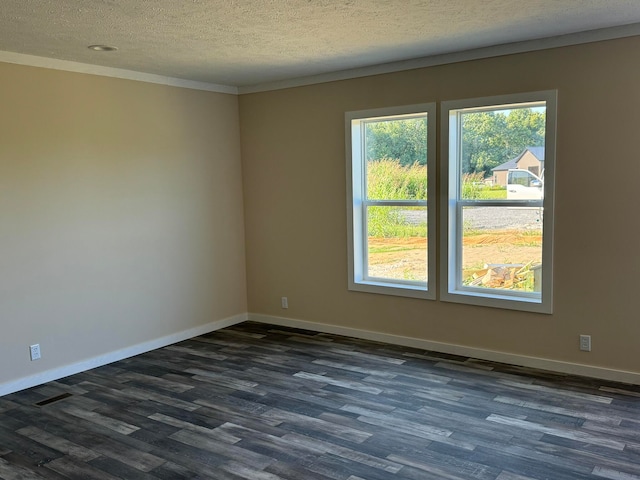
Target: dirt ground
405,258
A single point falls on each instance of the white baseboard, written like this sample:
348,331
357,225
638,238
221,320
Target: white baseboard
502,357
57,373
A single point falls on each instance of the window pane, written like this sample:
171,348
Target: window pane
397,243
502,153
396,159
502,248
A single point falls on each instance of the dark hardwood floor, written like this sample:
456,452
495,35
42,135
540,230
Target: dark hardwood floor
262,402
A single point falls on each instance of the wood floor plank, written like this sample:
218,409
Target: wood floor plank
223,449
102,420
312,425
559,432
614,474
173,471
76,470
12,471
57,443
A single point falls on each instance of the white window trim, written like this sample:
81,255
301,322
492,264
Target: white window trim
356,221
450,206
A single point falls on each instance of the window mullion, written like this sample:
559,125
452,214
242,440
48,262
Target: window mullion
395,203
501,203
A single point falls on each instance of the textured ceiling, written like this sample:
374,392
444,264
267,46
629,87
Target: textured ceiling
249,42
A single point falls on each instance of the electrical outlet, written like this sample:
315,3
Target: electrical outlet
285,302
585,343
34,350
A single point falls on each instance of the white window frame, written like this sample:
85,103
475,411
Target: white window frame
357,204
451,288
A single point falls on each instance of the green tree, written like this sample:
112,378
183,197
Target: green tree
524,128
490,139
401,140
483,142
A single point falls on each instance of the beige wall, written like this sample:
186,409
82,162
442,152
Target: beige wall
120,215
295,205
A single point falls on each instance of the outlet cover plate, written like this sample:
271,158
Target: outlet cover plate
34,351
585,343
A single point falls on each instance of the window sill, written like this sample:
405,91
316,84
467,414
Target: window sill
533,303
388,288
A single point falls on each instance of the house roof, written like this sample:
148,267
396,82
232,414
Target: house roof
537,152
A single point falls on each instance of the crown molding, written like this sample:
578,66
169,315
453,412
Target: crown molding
77,67
589,36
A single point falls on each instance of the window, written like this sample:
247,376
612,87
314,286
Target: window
391,227
496,240
497,186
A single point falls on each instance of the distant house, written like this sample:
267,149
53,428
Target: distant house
532,159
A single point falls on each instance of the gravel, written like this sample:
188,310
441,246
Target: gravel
492,218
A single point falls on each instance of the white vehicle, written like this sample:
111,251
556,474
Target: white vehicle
524,185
